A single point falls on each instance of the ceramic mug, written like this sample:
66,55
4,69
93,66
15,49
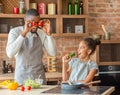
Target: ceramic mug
16,10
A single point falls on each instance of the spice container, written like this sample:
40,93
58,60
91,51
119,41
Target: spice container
51,8
42,8
1,8
33,5
68,29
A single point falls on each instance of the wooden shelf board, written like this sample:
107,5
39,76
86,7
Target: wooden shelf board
22,16
110,63
42,16
48,16
73,34
11,15
3,35
74,16
63,16
110,41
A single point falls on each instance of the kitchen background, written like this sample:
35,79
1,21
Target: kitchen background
105,12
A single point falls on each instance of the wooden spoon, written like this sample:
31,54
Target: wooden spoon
93,82
69,82
103,27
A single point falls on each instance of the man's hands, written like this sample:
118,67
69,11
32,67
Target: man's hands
26,28
46,26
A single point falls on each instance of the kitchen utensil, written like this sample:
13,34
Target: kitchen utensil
106,34
103,27
93,82
76,85
69,82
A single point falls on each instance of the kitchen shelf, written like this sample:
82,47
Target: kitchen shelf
109,63
110,41
11,16
108,52
74,35
74,16
57,20
3,35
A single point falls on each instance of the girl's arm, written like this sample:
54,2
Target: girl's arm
90,76
65,72
66,69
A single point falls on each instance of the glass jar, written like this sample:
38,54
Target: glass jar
22,7
1,8
41,8
51,8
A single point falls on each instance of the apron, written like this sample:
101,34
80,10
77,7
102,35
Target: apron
29,60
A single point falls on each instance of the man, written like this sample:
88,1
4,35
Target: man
26,43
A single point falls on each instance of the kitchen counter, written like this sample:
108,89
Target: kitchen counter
95,90
50,76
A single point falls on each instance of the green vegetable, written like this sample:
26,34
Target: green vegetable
32,83
71,55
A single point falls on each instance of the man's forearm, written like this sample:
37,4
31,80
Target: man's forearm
13,46
51,47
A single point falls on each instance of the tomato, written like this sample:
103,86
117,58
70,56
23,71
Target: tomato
29,88
22,88
40,24
34,23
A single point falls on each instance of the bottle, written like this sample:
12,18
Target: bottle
4,67
69,7
22,7
81,7
76,8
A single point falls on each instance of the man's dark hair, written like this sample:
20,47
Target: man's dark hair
32,12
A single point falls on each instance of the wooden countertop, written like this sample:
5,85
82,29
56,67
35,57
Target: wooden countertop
49,76
39,91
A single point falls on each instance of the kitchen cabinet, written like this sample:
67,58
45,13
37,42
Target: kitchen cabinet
59,21
108,52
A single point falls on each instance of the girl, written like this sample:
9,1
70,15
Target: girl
82,68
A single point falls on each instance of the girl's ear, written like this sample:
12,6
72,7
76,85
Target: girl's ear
89,51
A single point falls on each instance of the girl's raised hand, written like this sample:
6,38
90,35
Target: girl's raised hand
65,59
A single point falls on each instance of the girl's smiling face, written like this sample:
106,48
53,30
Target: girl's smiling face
83,50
